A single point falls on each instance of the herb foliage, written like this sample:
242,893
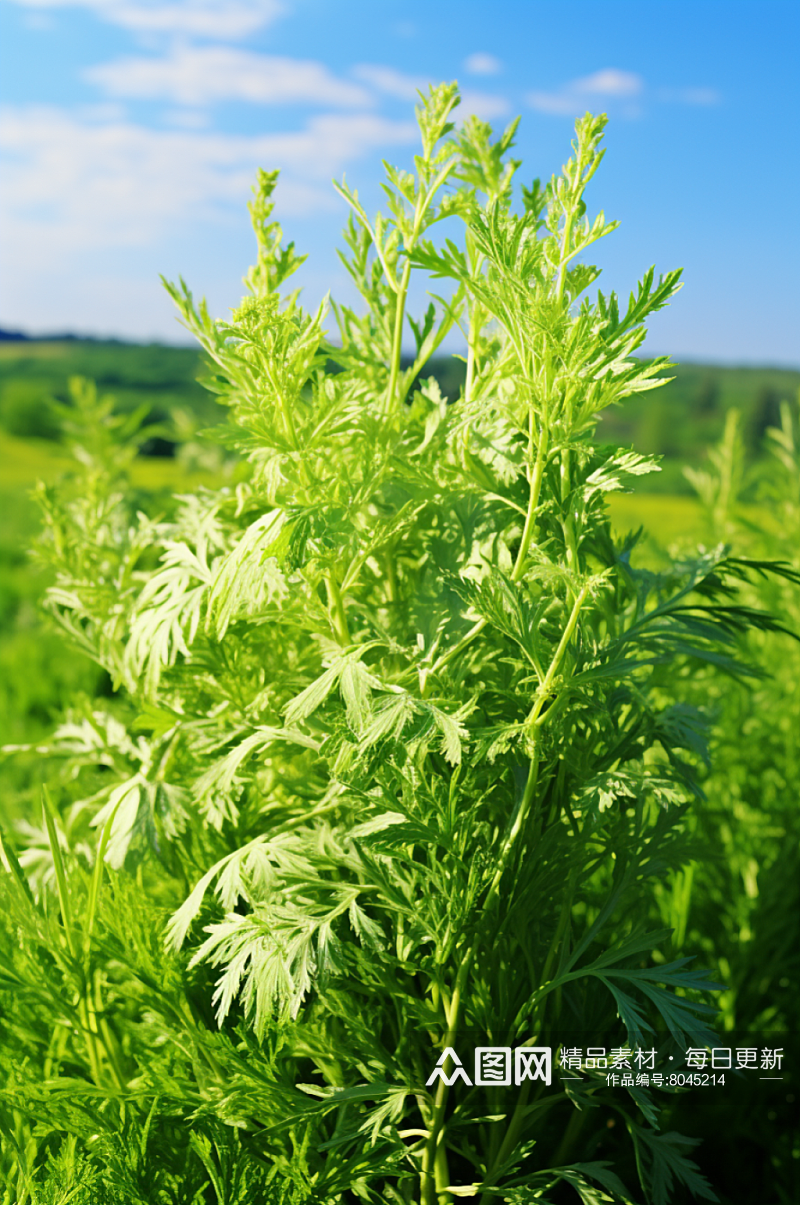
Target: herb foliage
400,740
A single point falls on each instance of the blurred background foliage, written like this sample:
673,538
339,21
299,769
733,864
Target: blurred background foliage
731,474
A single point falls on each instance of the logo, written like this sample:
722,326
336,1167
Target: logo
494,1066
621,1066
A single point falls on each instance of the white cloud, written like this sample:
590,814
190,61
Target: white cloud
40,21
200,75
187,119
611,85
556,103
226,19
572,98
71,186
691,96
107,111
482,64
485,105
609,82
392,82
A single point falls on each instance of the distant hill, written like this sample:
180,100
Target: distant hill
32,370
678,421
54,337
681,419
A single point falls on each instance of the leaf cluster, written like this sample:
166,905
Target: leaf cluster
400,736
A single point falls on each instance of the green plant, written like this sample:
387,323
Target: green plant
741,913
400,742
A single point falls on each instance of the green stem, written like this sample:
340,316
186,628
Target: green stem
338,615
523,812
429,1182
428,1179
565,256
61,877
55,1050
97,881
424,200
475,325
535,717
570,541
441,1172
526,804
285,410
463,643
533,509
470,370
391,575
515,1124
397,339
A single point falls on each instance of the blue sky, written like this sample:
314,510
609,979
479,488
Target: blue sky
130,131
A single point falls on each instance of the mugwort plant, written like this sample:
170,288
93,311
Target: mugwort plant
397,748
